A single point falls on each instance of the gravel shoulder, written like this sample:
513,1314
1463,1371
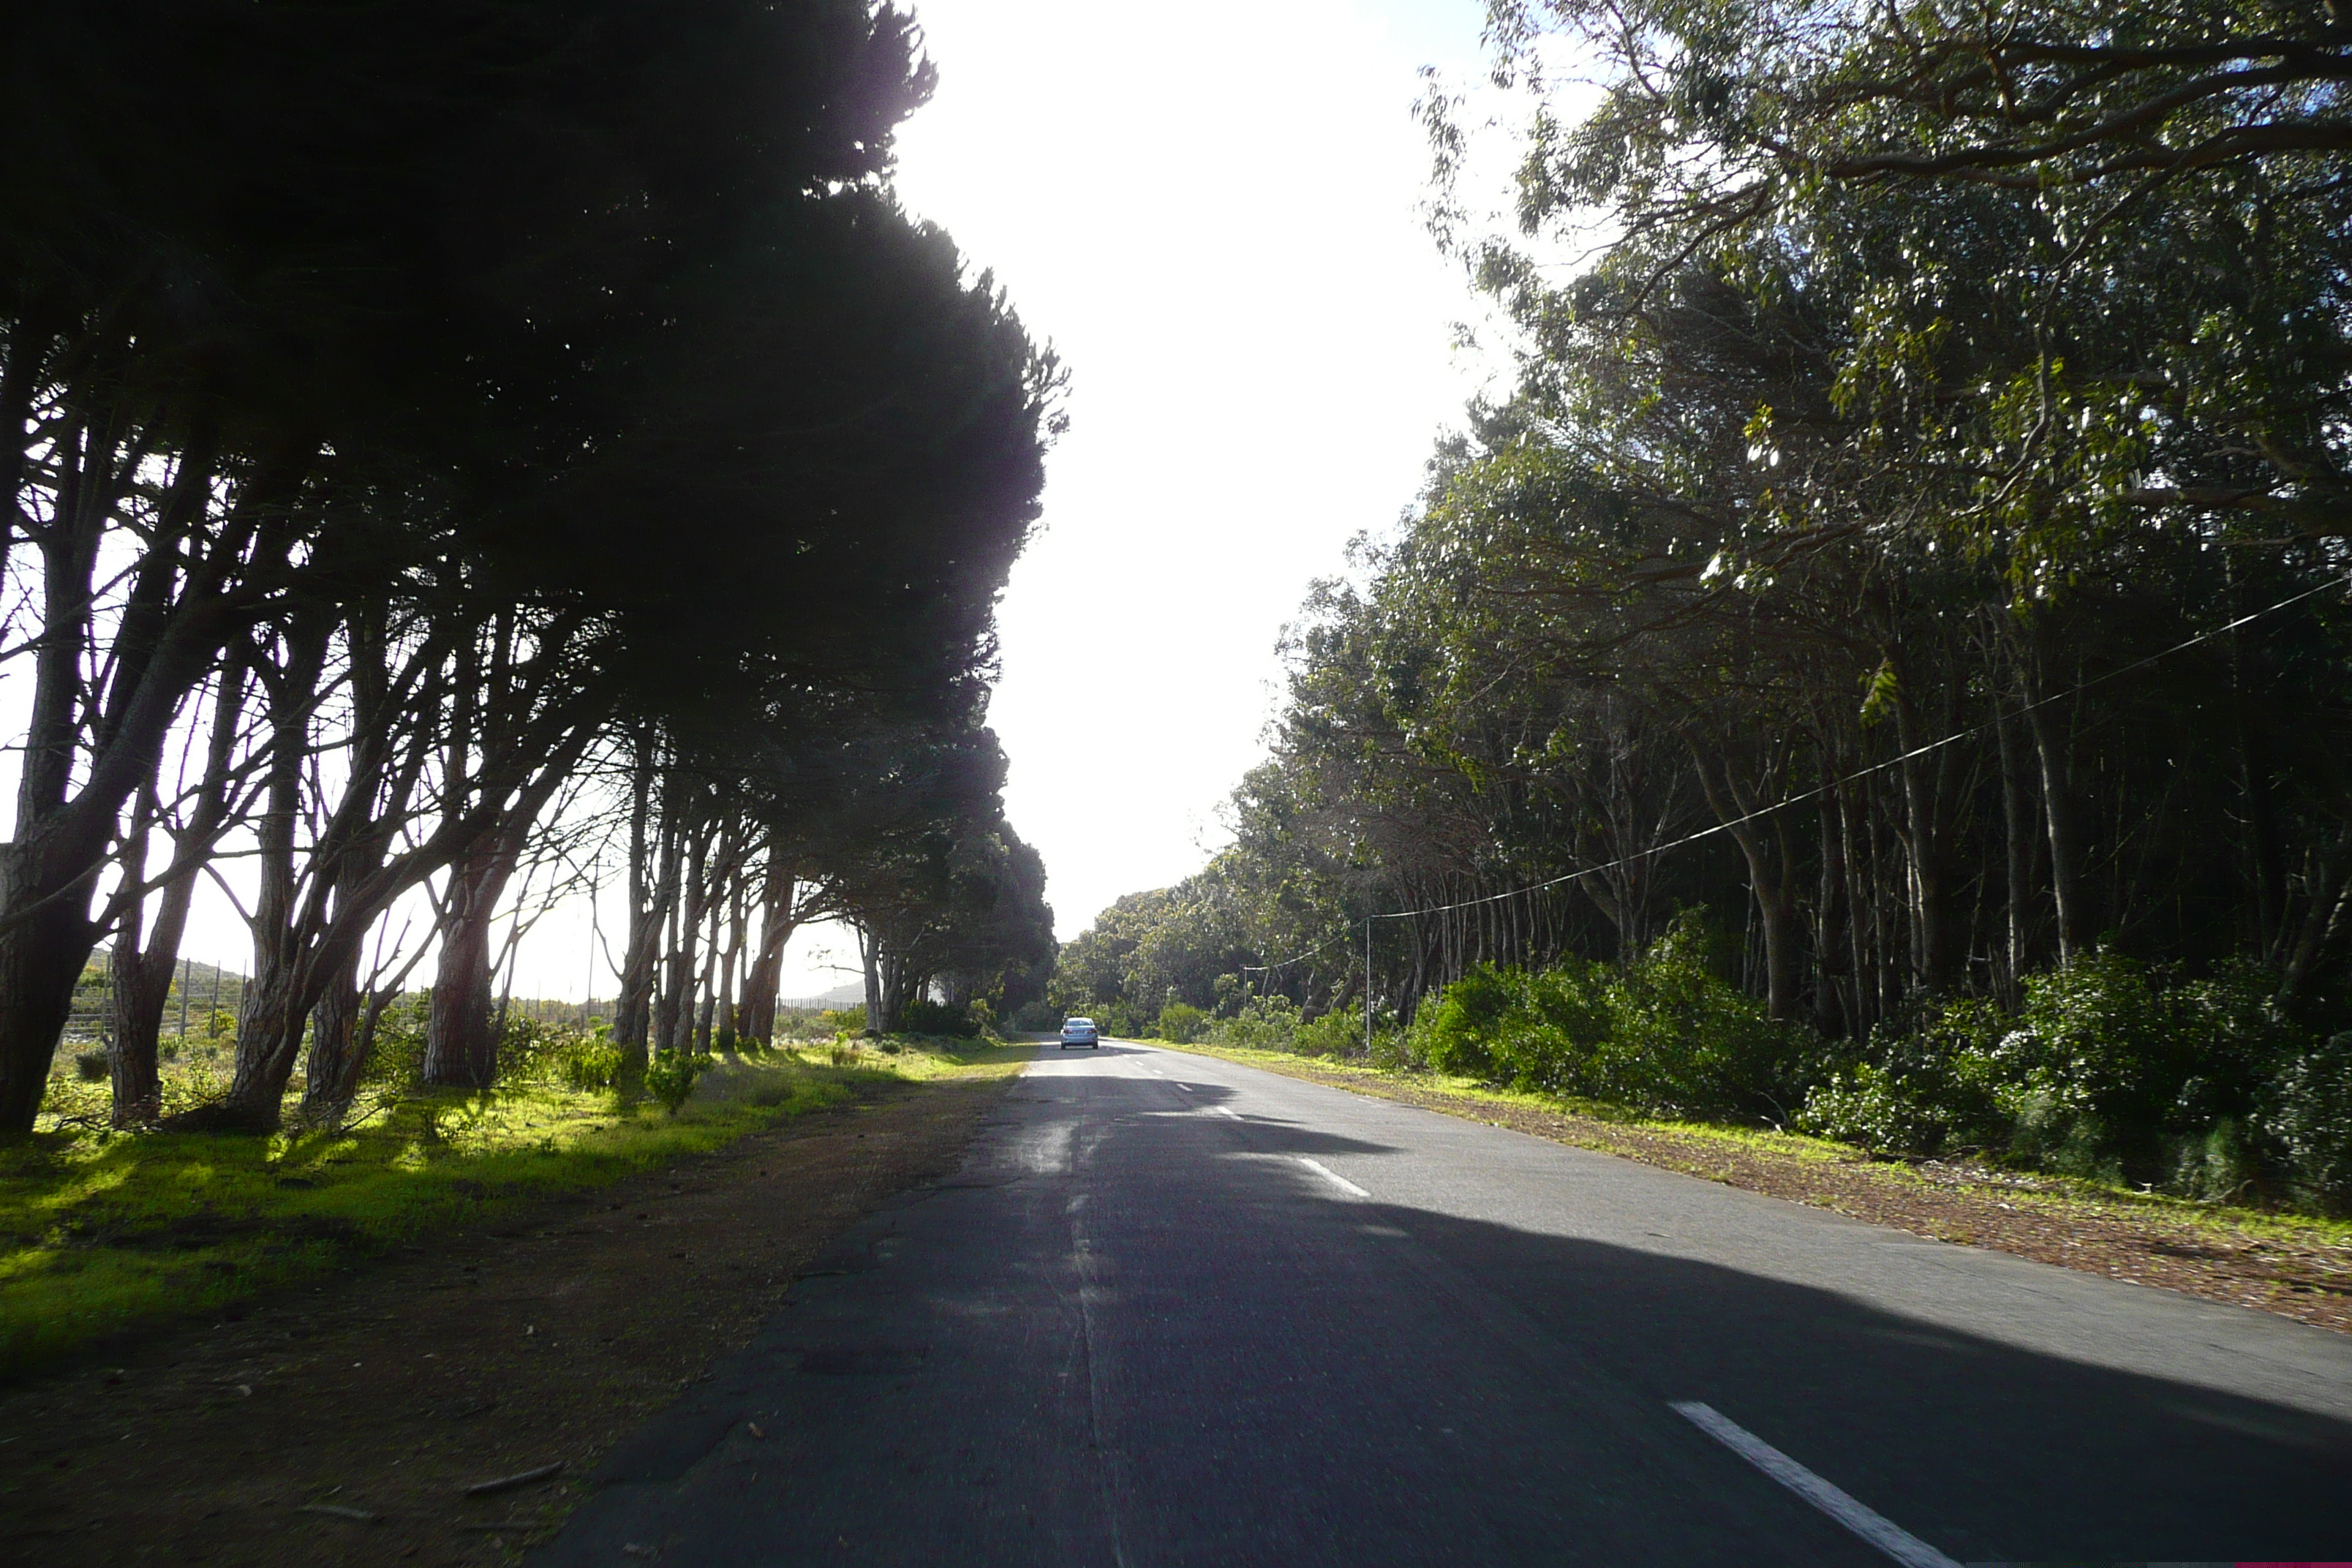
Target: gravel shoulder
2299,1269
345,1421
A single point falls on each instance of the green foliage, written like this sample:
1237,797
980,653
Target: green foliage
1666,1034
91,1065
1925,1092
1262,1024
592,1064
2108,1072
669,1077
1458,1032
844,1020
1183,1024
925,1016
103,1235
2309,1120
1334,1034
396,1061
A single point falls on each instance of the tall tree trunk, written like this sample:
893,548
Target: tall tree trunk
678,1002
1833,947
330,1073
138,998
651,888
1766,852
766,974
143,978
869,954
2070,883
461,1036
2017,836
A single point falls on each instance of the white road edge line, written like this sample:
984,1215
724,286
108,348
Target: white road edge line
1880,1531
1334,1177
1221,1110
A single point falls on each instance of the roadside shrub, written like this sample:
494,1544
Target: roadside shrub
925,1016
2086,1072
1666,1035
91,1066
396,1059
1923,1092
1684,1041
530,1049
1553,1038
844,1020
1338,1034
1115,1018
592,1064
1262,1024
1183,1024
1458,1032
669,1077
2309,1121
1031,1017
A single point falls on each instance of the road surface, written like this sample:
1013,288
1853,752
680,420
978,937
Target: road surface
1176,1310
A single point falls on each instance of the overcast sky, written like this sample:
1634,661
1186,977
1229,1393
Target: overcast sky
1213,213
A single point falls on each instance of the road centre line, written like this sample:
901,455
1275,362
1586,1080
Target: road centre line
1876,1528
1333,1177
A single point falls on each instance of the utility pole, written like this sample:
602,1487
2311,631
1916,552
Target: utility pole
1368,988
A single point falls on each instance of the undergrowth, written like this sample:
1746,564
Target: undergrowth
103,1233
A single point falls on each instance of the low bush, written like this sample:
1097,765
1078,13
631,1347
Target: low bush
925,1016
1925,1091
669,1077
2307,1121
91,1065
1183,1024
592,1064
1260,1023
1666,1035
1034,1017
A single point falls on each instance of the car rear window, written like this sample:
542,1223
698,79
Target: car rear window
1079,1024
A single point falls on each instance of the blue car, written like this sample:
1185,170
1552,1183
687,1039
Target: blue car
1081,1032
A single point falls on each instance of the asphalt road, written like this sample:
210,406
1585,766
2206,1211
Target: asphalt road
1179,1311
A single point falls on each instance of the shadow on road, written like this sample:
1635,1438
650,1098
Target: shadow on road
1165,1354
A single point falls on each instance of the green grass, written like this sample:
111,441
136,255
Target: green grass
2052,1192
101,1234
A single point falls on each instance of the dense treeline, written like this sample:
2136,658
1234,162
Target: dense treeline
1917,540
429,426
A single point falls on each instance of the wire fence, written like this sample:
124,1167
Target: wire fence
205,999
199,993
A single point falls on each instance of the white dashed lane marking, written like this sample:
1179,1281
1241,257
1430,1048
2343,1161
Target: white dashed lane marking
1872,1526
1333,1177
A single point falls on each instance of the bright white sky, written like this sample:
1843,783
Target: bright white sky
1214,213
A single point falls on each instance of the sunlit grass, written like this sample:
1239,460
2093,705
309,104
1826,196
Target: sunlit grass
101,1235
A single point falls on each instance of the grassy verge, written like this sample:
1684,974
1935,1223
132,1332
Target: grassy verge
101,1236
1712,1150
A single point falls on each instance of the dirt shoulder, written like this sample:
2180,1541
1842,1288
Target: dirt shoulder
2297,1269
343,1422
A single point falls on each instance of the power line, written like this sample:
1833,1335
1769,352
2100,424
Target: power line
1818,790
